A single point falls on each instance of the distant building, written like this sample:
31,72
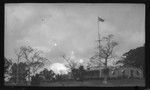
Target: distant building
128,72
114,72
92,74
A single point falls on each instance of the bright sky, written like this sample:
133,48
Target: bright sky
59,68
59,29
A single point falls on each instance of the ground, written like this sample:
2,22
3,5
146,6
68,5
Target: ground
91,83
110,83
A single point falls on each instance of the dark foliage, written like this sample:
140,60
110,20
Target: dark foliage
59,77
35,80
8,63
78,73
22,73
135,57
47,75
81,73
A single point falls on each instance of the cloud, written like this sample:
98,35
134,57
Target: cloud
73,27
23,41
16,15
59,68
43,49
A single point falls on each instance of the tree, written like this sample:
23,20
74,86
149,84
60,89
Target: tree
47,74
71,63
22,73
35,80
105,47
81,73
72,66
7,65
19,54
75,73
32,58
135,58
88,66
59,77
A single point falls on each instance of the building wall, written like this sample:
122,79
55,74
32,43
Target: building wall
124,72
120,72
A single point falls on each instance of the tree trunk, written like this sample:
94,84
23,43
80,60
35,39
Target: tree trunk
105,77
29,77
17,71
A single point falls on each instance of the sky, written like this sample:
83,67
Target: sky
71,29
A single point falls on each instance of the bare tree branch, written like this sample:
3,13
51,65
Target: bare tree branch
105,50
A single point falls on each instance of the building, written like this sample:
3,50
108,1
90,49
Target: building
121,72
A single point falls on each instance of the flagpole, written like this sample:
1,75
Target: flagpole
98,37
99,42
98,32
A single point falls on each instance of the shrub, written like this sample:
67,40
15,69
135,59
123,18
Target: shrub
35,80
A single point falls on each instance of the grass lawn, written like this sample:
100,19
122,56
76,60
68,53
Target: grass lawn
111,83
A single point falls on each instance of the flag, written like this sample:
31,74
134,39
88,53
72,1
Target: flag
100,19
